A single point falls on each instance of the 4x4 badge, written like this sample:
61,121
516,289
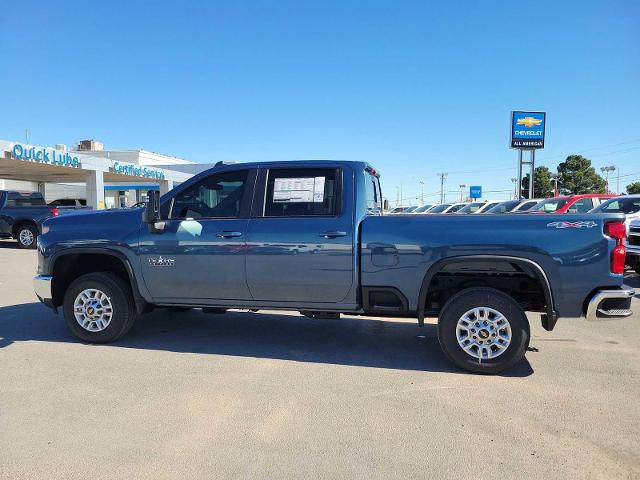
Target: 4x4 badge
580,224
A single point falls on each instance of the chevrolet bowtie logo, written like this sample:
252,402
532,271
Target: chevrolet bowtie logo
528,121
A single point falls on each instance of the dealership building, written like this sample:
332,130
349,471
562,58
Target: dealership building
104,178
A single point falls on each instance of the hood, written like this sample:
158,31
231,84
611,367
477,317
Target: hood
89,218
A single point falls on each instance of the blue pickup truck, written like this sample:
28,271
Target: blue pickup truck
22,214
310,236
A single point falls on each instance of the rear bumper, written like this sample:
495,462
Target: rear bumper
42,287
613,303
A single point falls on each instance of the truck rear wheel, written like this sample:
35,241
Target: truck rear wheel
26,236
99,307
483,330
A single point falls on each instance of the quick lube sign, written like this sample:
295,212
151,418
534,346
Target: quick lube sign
45,155
527,129
137,171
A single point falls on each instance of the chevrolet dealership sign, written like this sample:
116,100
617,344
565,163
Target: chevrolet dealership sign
527,129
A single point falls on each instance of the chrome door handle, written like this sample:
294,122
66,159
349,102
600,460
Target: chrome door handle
228,234
332,234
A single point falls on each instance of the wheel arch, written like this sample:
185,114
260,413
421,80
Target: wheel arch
106,257
550,316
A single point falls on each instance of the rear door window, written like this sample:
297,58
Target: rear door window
372,192
19,200
301,192
581,206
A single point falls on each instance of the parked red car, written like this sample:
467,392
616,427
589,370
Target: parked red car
571,203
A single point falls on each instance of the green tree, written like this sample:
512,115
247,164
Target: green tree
576,175
542,183
633,188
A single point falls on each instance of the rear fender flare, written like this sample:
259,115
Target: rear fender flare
551,316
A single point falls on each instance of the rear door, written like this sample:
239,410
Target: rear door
300,239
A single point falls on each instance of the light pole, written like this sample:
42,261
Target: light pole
421,192
606,170
555,177
514,180
462,187
442,175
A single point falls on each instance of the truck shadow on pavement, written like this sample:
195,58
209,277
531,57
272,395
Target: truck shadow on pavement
348,341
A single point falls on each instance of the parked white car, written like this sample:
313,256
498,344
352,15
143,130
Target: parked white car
633,245
424,208
629,205
448,207
478,207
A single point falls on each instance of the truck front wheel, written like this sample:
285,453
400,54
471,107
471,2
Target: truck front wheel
483,330
99,307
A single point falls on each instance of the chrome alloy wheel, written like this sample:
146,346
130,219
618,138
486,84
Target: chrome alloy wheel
26,237
484,333
93,310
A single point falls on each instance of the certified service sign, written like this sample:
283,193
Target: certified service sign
527,129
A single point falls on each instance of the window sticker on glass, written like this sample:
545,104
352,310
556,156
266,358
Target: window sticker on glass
298,190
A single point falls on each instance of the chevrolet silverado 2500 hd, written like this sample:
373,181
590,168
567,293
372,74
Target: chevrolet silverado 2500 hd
309,236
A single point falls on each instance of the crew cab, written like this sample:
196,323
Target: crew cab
22,214
309,236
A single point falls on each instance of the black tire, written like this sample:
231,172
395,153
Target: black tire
471,298
124,312
24,234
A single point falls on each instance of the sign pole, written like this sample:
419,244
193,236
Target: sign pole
532,166
519,194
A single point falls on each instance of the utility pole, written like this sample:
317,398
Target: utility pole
442,175
462,187
606,170
421,192
397,196
514,180
555,176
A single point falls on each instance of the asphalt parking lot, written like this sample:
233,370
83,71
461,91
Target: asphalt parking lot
246,395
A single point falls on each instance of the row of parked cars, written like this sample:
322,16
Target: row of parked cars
588,203
566,204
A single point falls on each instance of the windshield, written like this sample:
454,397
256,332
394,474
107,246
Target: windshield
620,205
455,208
471,208
550,205
410,209
504,207
423,208
440,208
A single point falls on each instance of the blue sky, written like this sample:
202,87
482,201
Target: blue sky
414,87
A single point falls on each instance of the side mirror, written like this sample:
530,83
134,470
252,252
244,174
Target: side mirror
151,213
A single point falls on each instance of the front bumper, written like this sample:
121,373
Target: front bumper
614,303
42,287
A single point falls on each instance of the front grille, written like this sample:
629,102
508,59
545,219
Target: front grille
635,230
634,240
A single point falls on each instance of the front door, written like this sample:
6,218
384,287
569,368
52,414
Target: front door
300,240
199,256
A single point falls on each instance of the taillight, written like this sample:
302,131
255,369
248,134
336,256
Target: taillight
617,231
55,212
